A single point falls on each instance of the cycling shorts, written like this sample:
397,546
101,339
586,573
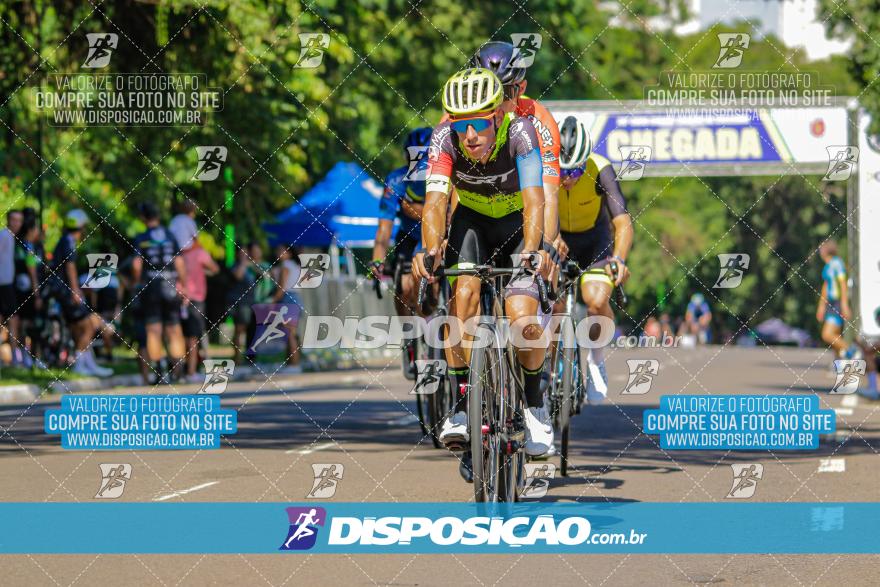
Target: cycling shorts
477,239
404,249
587,248
160,302
194,323
833,313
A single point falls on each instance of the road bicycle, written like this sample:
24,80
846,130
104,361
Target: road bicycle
431,408
567,388
495,406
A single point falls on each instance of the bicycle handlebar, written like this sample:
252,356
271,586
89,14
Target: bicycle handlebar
484,272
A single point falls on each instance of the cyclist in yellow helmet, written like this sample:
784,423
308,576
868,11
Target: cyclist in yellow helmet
493,160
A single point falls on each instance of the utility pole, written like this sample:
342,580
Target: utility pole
229,227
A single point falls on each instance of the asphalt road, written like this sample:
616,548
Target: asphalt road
363,420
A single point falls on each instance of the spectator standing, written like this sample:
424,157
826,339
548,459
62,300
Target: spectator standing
29,269
183,226
286,276
83,323
157,269
8,315
833,310
199,265
240,299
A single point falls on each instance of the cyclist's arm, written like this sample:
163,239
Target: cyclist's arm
434,217
412,209
615,202
549,139
531,186
383,239
844,295
72,277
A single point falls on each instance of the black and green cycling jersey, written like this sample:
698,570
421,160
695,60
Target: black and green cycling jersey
493,189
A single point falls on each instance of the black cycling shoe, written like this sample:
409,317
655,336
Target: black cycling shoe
465,468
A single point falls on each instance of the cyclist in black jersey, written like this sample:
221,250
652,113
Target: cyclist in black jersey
594,225
157,268
493,161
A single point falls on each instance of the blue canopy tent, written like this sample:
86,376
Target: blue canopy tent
342,209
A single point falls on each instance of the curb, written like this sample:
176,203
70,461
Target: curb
28,392
23,392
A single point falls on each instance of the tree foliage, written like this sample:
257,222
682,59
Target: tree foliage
286,126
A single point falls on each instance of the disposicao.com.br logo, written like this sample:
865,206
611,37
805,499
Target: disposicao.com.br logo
460,533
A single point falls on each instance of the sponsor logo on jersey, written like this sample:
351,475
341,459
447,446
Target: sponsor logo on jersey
542,130
484,179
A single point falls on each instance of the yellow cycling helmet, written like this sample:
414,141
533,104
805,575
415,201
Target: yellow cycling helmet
472,91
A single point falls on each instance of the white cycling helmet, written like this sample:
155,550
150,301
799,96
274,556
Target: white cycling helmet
472,91
575,143
75,219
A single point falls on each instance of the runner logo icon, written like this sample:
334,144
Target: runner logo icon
312,46
745,480
842,160
327,478
418,163
733,46
430,374
303,531
733,267
525,46
102,266
217,374
641,376
113,478
273,323
633,160
211,159
101,46
849,373
537,480
313,267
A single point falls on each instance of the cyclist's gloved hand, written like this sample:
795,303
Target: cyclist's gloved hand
534,260
622,273
419,268
561,247
377,268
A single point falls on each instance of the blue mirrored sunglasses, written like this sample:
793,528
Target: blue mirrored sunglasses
479,124
575,173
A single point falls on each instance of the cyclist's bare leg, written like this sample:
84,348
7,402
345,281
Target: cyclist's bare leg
155,350
832,335
597,296
522,310
406,301
464,303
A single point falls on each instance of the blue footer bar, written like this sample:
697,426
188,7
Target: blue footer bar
360,528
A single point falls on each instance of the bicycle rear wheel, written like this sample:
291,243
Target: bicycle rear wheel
570,377
483,416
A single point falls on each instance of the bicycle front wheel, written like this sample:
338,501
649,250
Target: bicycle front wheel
483,416
570,377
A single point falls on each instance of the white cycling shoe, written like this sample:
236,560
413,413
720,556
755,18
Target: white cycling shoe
455,429
539,431
597,382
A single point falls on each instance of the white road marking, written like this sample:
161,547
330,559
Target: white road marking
12,412
832,465
185,491
408,419
843,411
308,451
849,401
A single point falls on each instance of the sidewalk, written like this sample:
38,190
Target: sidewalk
28,392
